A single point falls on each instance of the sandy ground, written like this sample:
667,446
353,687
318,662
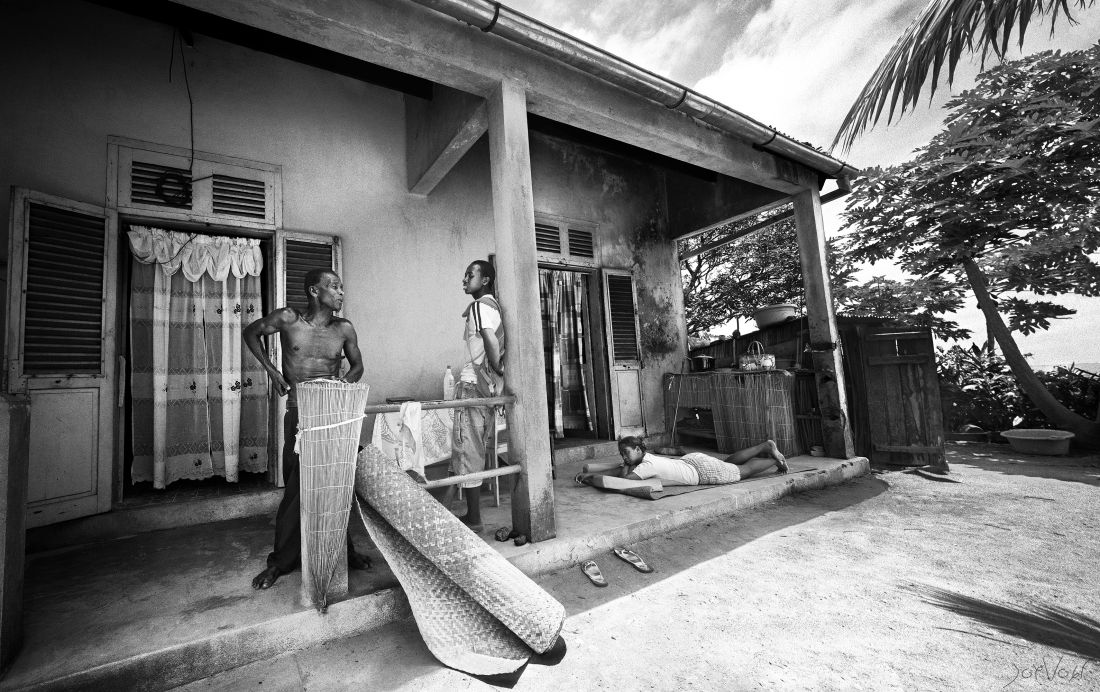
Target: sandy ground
862,586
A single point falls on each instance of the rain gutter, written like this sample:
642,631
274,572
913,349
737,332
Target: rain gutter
495,18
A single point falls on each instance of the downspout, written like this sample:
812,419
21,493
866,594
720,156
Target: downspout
495,18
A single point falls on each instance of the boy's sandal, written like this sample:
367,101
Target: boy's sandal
632,557
592,571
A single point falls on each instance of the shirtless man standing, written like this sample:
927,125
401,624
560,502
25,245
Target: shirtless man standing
314,345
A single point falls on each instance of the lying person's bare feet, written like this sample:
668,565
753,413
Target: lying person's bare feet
267,578
780,460
357,560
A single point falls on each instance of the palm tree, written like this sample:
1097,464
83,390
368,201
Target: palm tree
944,30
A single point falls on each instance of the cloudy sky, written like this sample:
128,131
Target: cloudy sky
798,65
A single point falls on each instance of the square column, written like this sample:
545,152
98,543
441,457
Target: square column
824,338
517,279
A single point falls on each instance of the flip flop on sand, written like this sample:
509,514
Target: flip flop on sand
632,557
592,571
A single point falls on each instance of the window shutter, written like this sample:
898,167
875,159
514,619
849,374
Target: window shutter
622,316
547,238
582,243
158,181
302,254
567,242
63,304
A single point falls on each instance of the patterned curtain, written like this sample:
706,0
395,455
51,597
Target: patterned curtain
199,407
564,302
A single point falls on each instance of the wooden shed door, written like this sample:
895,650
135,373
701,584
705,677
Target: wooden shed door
903,394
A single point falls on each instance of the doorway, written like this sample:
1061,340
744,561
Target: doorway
571,384
197,408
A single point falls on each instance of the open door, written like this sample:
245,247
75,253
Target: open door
624,352
296,254
61,350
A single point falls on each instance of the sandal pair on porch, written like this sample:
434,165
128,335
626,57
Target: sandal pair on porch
592,570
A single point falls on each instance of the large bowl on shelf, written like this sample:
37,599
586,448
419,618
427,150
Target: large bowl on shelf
772,315
1037,441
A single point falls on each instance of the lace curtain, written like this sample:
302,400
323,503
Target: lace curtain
199,405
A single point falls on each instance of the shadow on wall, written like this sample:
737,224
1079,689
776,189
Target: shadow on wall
1051,626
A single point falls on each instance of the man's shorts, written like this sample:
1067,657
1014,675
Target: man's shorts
712,471
470,435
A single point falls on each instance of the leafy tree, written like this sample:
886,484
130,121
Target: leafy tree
734,281
944,30
1005,199
920,302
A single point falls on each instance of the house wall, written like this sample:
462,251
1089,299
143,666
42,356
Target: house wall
628,200
76,73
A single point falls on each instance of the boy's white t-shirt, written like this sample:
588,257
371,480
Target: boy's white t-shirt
480,315
669,471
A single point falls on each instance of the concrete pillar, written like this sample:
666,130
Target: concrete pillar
517,278
14,450
824,338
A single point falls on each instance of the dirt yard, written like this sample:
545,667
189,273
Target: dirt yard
895,581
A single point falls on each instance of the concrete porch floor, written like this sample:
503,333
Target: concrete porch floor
157,610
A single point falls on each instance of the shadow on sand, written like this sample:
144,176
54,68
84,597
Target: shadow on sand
1078,468
1051,626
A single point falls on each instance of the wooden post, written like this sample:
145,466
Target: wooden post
517,273
824,338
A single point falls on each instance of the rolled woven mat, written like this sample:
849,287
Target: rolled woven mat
476,611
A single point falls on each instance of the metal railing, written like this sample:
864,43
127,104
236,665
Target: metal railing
484,402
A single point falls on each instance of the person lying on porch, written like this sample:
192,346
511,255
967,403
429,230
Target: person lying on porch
482,376
697,468
314,344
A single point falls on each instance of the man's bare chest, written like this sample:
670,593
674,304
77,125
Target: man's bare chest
302,341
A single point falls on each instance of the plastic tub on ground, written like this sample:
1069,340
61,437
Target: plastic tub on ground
1039,441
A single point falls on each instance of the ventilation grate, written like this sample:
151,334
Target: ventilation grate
624,334
302,258
63,332
581,243
547,238
239,197
160,186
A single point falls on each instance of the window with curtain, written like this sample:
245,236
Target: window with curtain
200,404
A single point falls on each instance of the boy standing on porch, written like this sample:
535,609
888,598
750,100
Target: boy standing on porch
482,376
314,344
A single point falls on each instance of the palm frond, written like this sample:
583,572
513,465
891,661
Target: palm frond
943,31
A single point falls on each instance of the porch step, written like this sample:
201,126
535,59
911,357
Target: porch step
160,609
126,521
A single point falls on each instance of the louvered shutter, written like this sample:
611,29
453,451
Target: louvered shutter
63,305
158,181
565,242
302,257
622,317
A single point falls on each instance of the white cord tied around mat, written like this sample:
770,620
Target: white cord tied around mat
303,431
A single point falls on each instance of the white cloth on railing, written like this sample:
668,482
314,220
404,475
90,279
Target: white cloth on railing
434,438
412,446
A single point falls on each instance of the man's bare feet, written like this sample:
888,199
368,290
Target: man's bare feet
357,560
780,460
267,578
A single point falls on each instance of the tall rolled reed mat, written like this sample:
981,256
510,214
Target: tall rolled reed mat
476,611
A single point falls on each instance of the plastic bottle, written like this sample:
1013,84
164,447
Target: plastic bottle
448,384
